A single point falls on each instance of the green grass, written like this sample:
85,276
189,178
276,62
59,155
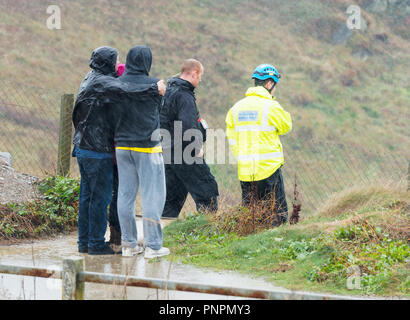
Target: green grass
315,254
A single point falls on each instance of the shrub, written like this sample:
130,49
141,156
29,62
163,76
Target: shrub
56,210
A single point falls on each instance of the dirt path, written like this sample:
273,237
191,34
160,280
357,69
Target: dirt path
50,253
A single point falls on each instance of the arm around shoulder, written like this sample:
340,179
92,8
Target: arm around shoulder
119,87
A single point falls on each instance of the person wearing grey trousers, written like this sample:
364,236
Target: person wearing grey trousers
139,158
144,171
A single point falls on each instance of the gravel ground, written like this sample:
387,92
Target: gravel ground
14,186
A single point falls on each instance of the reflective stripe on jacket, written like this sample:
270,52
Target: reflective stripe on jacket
253,127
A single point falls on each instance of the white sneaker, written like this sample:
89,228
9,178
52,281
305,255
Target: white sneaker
130,252
151,253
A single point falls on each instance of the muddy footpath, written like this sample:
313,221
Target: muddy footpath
51,252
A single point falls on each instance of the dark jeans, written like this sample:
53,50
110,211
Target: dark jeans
265,191
113,212
196,179
95,195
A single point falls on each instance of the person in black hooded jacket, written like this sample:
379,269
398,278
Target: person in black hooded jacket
100,92
139,118
184,133
139,158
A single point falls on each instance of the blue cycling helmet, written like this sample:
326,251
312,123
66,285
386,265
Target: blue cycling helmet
266,71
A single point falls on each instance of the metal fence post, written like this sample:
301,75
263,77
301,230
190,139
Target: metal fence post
65,134
73,285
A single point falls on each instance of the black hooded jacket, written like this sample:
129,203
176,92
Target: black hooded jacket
99,94
179,104
138,66
138,118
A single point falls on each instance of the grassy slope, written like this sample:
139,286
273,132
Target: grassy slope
344,109
316,253
224,36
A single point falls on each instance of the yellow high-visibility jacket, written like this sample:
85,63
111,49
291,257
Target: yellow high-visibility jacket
253,127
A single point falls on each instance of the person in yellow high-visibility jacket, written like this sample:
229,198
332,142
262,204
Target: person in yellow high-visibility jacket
253,127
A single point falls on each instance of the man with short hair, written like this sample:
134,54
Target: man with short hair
253,127
185,168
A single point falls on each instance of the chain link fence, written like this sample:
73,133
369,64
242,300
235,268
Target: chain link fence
314,171
30,129
31,120
321,169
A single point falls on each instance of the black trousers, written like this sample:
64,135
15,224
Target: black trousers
113,212
196,179
264,192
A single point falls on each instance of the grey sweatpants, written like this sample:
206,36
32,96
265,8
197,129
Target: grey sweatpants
144,171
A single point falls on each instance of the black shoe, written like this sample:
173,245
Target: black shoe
83,249
100,251
115,236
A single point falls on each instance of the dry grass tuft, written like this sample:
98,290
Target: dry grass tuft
373,196
397,222
9,217
386,206
256,217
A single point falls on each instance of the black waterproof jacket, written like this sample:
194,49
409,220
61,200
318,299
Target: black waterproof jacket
138,118
99,95
179,104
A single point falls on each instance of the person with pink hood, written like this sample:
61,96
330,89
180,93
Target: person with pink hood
121,69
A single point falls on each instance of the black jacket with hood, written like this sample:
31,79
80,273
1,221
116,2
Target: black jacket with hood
100,93
179,104
138,118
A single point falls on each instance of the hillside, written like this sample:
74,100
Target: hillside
347,90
